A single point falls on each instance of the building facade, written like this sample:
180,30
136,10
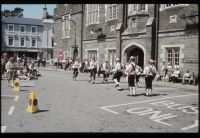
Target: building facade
32,37
164,32
68,26
21,36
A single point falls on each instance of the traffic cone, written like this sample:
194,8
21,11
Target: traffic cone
16,86
33,103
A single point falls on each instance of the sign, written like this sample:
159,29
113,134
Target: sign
190,60
60,55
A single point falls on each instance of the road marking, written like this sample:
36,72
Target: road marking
16,98
11,110
109,110
196,124
3,129
166,97
8,95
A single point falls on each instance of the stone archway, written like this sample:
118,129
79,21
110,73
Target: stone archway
136,50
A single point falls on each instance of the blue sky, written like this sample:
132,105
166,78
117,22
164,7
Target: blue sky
31,10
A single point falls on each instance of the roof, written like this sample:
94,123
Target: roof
19,20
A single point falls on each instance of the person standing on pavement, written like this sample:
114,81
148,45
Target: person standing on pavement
131,76
149,73
93,67
76,67
118,72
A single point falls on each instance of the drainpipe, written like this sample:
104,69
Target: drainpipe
82,33
156,14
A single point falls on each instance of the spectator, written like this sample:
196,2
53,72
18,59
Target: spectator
175,75
164,69
187,76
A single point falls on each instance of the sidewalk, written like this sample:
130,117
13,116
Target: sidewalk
175,85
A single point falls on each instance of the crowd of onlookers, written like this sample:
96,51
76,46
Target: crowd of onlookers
176,75
12,67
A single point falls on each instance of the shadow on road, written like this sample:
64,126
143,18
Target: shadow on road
39,111
139,94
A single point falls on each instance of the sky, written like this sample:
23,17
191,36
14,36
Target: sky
31,10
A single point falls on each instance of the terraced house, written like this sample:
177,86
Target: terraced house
164,32
32,37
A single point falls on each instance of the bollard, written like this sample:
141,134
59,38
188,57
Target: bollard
16,85
33,103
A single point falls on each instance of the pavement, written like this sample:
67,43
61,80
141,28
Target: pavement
155,83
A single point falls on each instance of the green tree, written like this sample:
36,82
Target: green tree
17,12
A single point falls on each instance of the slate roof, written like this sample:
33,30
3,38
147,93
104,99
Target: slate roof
19,20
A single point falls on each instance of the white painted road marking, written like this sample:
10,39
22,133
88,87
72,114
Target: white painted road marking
8,95
11,110
156,114
16,98
196,124
3,129
166,97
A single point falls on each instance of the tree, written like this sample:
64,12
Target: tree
17,12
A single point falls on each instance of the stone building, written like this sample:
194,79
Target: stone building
164,32
68,30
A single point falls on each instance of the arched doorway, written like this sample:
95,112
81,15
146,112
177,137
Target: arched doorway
75,54
138,54
136,51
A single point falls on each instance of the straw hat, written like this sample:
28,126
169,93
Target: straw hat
151,61
132,57
117,59
11,58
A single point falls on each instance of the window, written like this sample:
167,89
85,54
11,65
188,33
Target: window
22,29
92,13
92,53
167,6
34,29
22,41
112,28
133,8
52,42
10,40
133,23
111,57
33,42
10,28
173,57
66,26
111,11
141,7
173,19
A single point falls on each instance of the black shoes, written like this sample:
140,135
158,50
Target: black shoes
116,85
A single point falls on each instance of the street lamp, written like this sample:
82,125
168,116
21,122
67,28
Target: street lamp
74,23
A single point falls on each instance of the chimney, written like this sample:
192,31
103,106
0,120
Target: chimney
45,12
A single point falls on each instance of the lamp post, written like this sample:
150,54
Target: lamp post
74,23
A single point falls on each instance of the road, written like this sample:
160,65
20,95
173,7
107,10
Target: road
66,105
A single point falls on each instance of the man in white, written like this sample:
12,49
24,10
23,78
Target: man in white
76,67
105,69
93,67
131,76
149,73
117,73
